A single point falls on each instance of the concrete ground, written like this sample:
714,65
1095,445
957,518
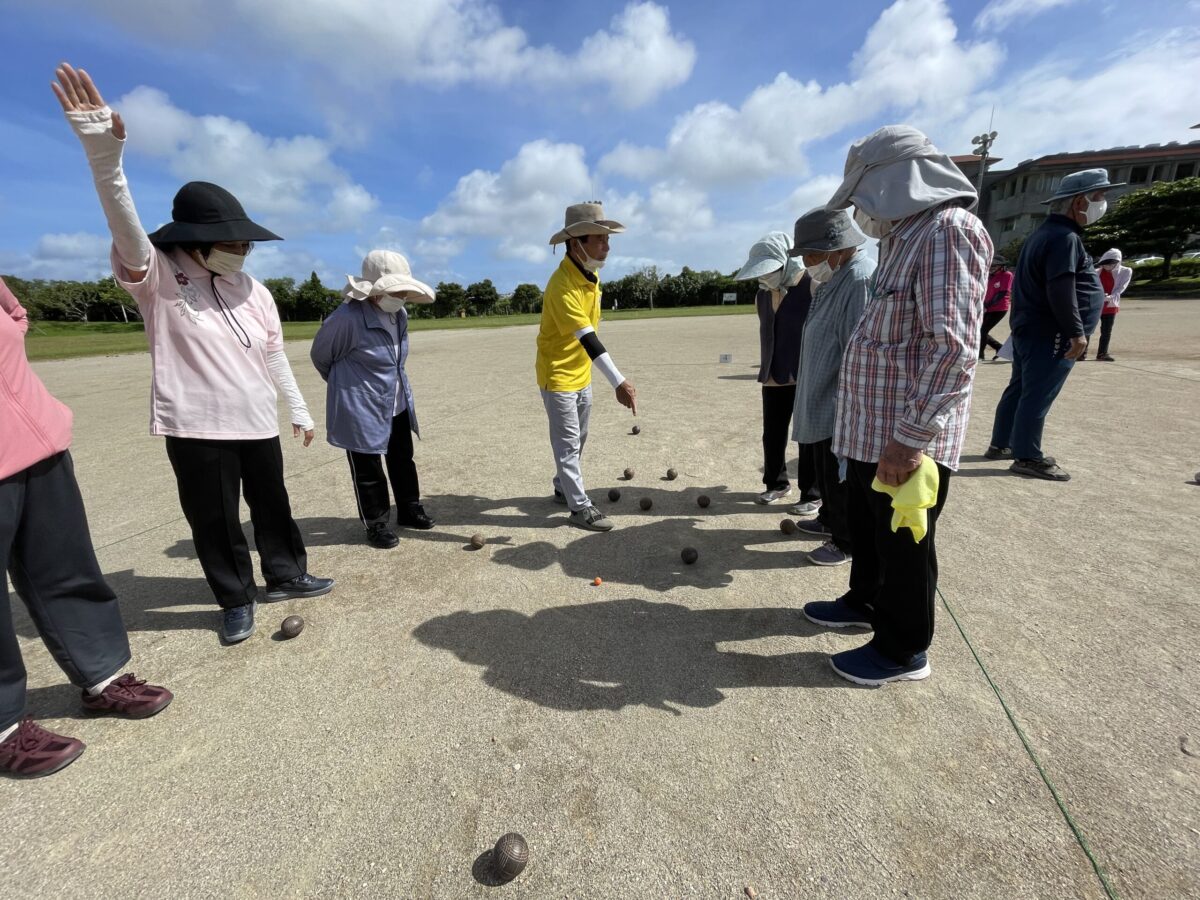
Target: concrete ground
676,731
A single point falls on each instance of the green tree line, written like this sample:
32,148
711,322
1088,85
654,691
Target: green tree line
310,300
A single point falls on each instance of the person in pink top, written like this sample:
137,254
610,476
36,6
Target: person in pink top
995,303
216,348
46,548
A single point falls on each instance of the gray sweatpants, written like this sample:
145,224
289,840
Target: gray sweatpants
568,412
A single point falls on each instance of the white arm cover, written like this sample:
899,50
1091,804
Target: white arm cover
604,363
281,374
94,129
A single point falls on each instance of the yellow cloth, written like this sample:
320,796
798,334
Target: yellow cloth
911,499
570,302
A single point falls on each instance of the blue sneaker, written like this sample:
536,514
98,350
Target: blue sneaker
836,614
866,665
237,623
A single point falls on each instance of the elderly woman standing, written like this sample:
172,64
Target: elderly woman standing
46,548
360,351
784,296
216,352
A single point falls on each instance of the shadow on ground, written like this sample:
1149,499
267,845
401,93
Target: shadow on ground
618,653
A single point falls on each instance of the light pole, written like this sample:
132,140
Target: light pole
983,144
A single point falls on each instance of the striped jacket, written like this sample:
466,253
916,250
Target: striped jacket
908,369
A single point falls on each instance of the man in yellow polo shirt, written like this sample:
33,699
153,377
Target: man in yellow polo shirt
567,348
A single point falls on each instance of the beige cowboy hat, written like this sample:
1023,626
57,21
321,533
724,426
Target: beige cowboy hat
583,219
387,272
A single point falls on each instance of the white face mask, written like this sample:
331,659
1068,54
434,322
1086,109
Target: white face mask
1094,210
772,281
222,263
821,272
870,226
391,305
592,265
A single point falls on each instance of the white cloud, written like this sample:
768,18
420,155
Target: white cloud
1128,97
290,182
911,59
281,261
368,44
75,255
999,14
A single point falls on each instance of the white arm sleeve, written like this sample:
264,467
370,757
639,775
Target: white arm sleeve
281,374
94,130
603,362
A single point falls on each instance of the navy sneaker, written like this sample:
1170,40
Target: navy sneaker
866,665
299,587
836,614
237,623
813,528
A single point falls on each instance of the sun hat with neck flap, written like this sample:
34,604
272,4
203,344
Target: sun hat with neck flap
204,213
583,219
387,272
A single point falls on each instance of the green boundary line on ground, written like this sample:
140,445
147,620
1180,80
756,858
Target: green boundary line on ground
1062,807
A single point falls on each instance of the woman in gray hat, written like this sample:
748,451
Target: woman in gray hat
782,304
828,244
217,359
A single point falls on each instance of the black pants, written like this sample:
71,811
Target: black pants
370,485
778,403
990,321
1106,328
834,494
892,578
211,476
46,548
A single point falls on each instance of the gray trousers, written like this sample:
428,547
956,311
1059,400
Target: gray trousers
568,412
47,550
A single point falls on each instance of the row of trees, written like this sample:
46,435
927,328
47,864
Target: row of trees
310,300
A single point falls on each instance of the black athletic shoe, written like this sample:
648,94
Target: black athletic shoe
995,452
1039,468
413,516
379,535
299,587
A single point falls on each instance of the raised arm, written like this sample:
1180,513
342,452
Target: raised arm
102,134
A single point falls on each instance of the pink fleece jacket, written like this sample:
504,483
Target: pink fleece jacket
33,425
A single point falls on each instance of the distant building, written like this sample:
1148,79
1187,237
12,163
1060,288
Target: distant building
1011,204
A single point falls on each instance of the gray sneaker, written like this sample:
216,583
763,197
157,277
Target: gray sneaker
829,554
1045,468
591,519
805,508
767,497
559,497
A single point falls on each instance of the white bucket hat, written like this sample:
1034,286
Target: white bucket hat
583,219
387,272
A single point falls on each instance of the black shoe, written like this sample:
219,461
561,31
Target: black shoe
299,587
1104,357
379,535
1045,468
237,623
994,452
414,517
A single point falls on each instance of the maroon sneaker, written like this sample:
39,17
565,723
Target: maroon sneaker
129,696
31,751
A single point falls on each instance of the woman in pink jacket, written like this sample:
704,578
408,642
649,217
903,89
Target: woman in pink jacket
47,551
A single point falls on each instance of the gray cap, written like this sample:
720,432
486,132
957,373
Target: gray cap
824,230
1085,182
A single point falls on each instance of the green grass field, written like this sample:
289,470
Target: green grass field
64,340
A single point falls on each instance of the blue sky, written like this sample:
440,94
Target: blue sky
457,130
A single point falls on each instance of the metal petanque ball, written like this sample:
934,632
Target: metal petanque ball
689,555
477,541
672,474
703,501
637,429
614,495
291,626
787,526
510,856
645,503
629,474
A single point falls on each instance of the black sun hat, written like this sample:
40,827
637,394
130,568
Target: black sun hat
204,213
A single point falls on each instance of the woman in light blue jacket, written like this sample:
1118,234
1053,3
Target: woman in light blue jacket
360,351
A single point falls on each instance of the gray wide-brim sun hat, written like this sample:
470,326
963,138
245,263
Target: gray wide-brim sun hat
583,219
1086,182
824,230
768,253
